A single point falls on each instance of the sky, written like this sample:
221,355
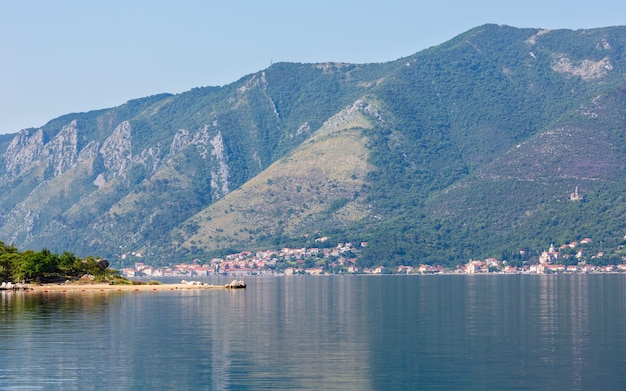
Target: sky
65,56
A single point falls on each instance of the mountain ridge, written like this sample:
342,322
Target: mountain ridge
421,156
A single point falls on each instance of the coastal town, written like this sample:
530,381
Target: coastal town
573,257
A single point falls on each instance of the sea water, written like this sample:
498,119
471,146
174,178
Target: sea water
522,332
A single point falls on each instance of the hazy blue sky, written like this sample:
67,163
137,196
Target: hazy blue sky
58,57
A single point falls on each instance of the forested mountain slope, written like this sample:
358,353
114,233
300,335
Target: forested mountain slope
467,149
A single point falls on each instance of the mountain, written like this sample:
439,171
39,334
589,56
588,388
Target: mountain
467,149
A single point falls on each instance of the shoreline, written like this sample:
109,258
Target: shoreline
49,288
52,288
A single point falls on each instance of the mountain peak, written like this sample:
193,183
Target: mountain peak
469,148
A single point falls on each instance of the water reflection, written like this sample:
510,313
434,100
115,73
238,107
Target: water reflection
364,333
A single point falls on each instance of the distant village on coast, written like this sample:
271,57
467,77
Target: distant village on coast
573,257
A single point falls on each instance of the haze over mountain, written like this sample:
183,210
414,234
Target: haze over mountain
467,149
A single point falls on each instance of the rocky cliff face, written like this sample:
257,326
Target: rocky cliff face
116,149
63,184
62,151
25,149
209,145
219,174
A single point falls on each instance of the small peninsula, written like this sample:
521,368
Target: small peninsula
44,271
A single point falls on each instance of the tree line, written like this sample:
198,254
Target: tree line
45,266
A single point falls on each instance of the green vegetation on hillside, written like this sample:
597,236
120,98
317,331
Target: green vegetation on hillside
469,149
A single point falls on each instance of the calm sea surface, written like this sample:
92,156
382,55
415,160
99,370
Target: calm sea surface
563,332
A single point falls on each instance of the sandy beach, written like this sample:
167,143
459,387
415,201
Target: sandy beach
55,288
